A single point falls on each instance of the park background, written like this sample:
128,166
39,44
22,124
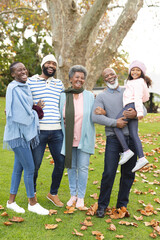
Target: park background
27,34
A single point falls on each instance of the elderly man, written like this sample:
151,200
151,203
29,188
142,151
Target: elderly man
110,100
47,89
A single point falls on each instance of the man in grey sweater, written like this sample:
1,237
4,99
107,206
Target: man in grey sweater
106,108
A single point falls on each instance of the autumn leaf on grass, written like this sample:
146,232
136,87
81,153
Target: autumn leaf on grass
157,200
83,208
91,169
152,192
1,207
139,192
128,223
152,223
119,236
117,213
66,174
16,219
92,210
88,218
70,210
51,161
84,228
4,214
138,218
52,211
7,223
153,235
94,195
98,235
95,182
108,220
58,220
87,223
50,226
50,156
112,227
77,233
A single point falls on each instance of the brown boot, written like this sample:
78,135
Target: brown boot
55,200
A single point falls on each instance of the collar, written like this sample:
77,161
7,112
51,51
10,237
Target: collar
113,90
40,78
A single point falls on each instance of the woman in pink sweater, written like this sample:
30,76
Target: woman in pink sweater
135,94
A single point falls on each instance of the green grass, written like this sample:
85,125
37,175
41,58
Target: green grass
33,225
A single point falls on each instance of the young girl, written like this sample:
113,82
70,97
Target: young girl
135,94
21,132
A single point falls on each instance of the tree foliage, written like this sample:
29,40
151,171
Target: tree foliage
24,26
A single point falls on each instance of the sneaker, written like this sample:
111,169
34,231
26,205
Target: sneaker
71,201
15,207
125,156
37,208
140,164
80,203
55,200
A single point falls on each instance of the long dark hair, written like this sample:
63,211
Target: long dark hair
146,78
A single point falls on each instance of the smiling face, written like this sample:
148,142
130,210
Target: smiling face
49,68
19,72
77,80
136,73
110,78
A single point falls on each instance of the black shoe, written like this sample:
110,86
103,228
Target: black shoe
100,212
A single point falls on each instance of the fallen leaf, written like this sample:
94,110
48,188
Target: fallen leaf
16,219
83,208
1,207
77,233
92,210
108,220
52,211
87,223
7,223
58,220
84,228
153,235
128,223
112,227
51,226
95,182
157,200
88,218
138,218
94,195
4,214
119,236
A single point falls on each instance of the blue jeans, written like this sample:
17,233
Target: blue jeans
23,161
133,132
78,174
113,148
54,140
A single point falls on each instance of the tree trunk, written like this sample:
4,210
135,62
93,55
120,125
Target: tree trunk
73,37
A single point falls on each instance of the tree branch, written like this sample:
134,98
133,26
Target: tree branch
115,37
19,9
90,19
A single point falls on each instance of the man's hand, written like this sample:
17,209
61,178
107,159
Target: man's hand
130,113
100,111
121,123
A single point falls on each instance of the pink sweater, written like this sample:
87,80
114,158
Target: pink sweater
136,91
78,117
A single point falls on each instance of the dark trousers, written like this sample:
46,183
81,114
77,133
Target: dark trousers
54,140
133,132
113,149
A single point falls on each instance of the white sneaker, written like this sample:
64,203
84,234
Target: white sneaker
37,208
80,203
140,164
71,201
125,156
15,207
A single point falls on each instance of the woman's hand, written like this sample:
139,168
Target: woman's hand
100,111
41,103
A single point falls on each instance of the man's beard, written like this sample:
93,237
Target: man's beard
46,72
113,86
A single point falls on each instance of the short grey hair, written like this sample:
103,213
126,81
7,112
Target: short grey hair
77,68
